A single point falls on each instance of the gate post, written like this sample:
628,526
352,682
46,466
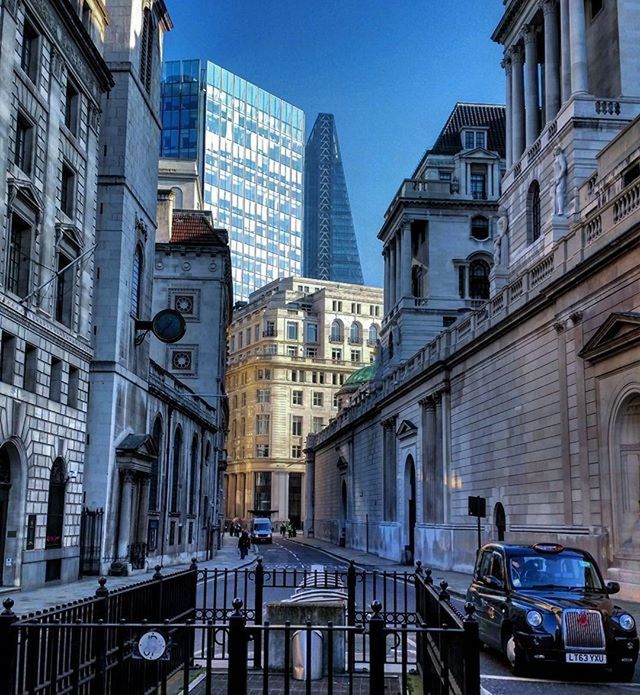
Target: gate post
351,615
258,598
8,646
471,652
100,642
157,596
238,639
377,650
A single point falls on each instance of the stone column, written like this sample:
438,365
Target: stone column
143,510
439,490
398,264
506,64
405,290
517,100
578,41
565,50
551,59
392,273
385,256
532,106
428,459
126,501
310,492
466,281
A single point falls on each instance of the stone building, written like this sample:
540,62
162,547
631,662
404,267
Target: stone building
291,348
438,232
52,77
531,401
116,475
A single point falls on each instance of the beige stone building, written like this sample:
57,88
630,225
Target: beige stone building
531,401
291,348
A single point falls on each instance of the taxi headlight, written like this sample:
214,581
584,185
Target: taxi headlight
534,618
626,622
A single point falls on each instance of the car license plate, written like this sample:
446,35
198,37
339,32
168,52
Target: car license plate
586,658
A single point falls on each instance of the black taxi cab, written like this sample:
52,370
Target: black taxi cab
548,604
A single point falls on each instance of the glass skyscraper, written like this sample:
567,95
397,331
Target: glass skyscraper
330,246
250,148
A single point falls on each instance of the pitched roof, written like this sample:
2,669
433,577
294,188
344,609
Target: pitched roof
194,227
491,116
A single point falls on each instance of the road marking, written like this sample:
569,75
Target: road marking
556,682
485,691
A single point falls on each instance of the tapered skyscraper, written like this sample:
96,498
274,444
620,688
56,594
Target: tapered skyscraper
329,241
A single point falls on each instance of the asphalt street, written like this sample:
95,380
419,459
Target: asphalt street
496,677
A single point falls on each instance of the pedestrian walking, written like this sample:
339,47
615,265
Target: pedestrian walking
244,543
283,530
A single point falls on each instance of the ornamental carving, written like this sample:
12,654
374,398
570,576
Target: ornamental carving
141,227
58,66
11,6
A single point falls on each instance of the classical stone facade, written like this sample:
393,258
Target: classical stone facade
439,231
292,347
532,400
52,77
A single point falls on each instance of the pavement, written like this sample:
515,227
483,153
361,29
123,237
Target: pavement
55,594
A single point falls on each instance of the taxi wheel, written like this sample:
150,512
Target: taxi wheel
515,657
624,672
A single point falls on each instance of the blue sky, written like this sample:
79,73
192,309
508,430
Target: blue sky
390,71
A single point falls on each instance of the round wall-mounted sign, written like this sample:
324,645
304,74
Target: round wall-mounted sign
152,645
168,325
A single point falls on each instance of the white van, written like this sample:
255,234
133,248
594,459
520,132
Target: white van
261,531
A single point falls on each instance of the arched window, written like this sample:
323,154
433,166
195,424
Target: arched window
136,282
373,334
480,228
479,279
193,475
155,465
336,331
147,44
355,334
533,212
55,506
175,470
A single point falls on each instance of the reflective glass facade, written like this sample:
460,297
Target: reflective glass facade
250,145
330,246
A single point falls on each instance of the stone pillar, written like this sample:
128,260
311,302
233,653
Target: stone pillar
398,266
428,459
392,273
405,290
310,493
517,100
565,50
578,41
385,256
532,106
466,281
506,64
126,502
143,510
439,490
551,59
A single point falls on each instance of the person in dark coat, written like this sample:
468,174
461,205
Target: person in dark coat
244,543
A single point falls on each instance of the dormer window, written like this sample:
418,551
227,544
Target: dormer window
474,139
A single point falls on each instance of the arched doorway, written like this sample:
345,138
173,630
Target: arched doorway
625,452
500,520
11,514
410,513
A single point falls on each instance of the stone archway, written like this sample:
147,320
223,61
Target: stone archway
11,512
410,507
625,460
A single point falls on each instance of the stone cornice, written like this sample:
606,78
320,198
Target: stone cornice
512,12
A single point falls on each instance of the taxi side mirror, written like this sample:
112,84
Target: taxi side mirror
493,582
612,587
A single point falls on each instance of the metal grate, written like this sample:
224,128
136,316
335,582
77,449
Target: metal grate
583,629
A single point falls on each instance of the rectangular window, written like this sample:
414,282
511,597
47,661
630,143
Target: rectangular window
296,425
478,182
7,358
243,399
336,400
68,191
317,424
263,396
317,377
336,355
24,144
243,427
296,451
336,305
262,451
356,356
247,334
30,50
297,398
172,533
312,332
256,332
311,352
72,108
64,291
469,140
55,382
263,374
318,398
262,491
292,330
444,175
269,329
19,257
262,423
30,367
292,351
74,384
240,340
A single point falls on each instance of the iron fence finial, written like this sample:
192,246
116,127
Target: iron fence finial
237,605
470,610
157,574
102,589
194,564
8,604
444,594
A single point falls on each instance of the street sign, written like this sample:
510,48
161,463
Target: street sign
152,646
478,507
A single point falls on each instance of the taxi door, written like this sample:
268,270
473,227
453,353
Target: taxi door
488,595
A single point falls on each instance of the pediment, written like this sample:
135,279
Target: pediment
137,446
619,332
69,232
406,429
479,153
28,193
